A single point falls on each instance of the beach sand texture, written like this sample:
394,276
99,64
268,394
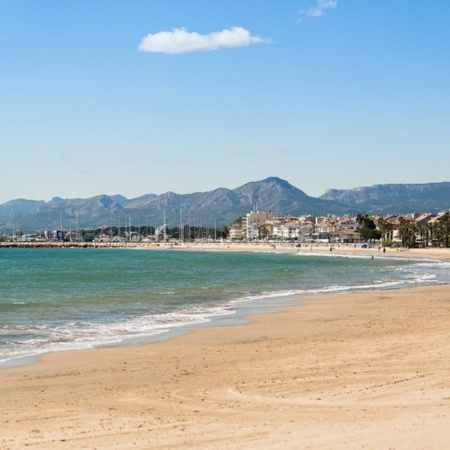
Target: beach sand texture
367,370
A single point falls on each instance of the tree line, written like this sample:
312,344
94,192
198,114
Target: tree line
436,233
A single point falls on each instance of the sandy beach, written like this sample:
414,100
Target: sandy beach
363,370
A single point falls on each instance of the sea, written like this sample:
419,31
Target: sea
73,298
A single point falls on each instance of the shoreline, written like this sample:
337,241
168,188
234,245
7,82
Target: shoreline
339,371
241,310
375,249
336,371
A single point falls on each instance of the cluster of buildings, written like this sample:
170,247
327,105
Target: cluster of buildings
310,228
263,225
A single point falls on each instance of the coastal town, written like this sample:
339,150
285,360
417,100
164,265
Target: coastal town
408,231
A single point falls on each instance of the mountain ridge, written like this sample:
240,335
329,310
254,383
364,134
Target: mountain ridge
396,198
220,206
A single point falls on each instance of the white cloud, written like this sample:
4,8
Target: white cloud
319,9
181,41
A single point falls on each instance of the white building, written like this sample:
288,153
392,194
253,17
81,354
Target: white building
235,234
252,221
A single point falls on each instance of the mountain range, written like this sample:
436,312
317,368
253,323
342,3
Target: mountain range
220,206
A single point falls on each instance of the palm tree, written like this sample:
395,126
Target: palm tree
386,230
431,227
443,229
423,232
407,231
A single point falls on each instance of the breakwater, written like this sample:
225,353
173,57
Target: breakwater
58,244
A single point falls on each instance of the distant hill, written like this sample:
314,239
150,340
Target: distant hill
220,206
394,198
18,206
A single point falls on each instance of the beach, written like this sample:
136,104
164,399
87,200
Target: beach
357,370
345,248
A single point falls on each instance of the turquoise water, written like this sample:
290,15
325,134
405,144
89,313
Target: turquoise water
61,299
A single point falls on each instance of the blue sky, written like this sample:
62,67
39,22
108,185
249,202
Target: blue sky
149,96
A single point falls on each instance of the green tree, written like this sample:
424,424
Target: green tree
443,230
367,227
407,231
386,230
423,232
364,221
431,227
